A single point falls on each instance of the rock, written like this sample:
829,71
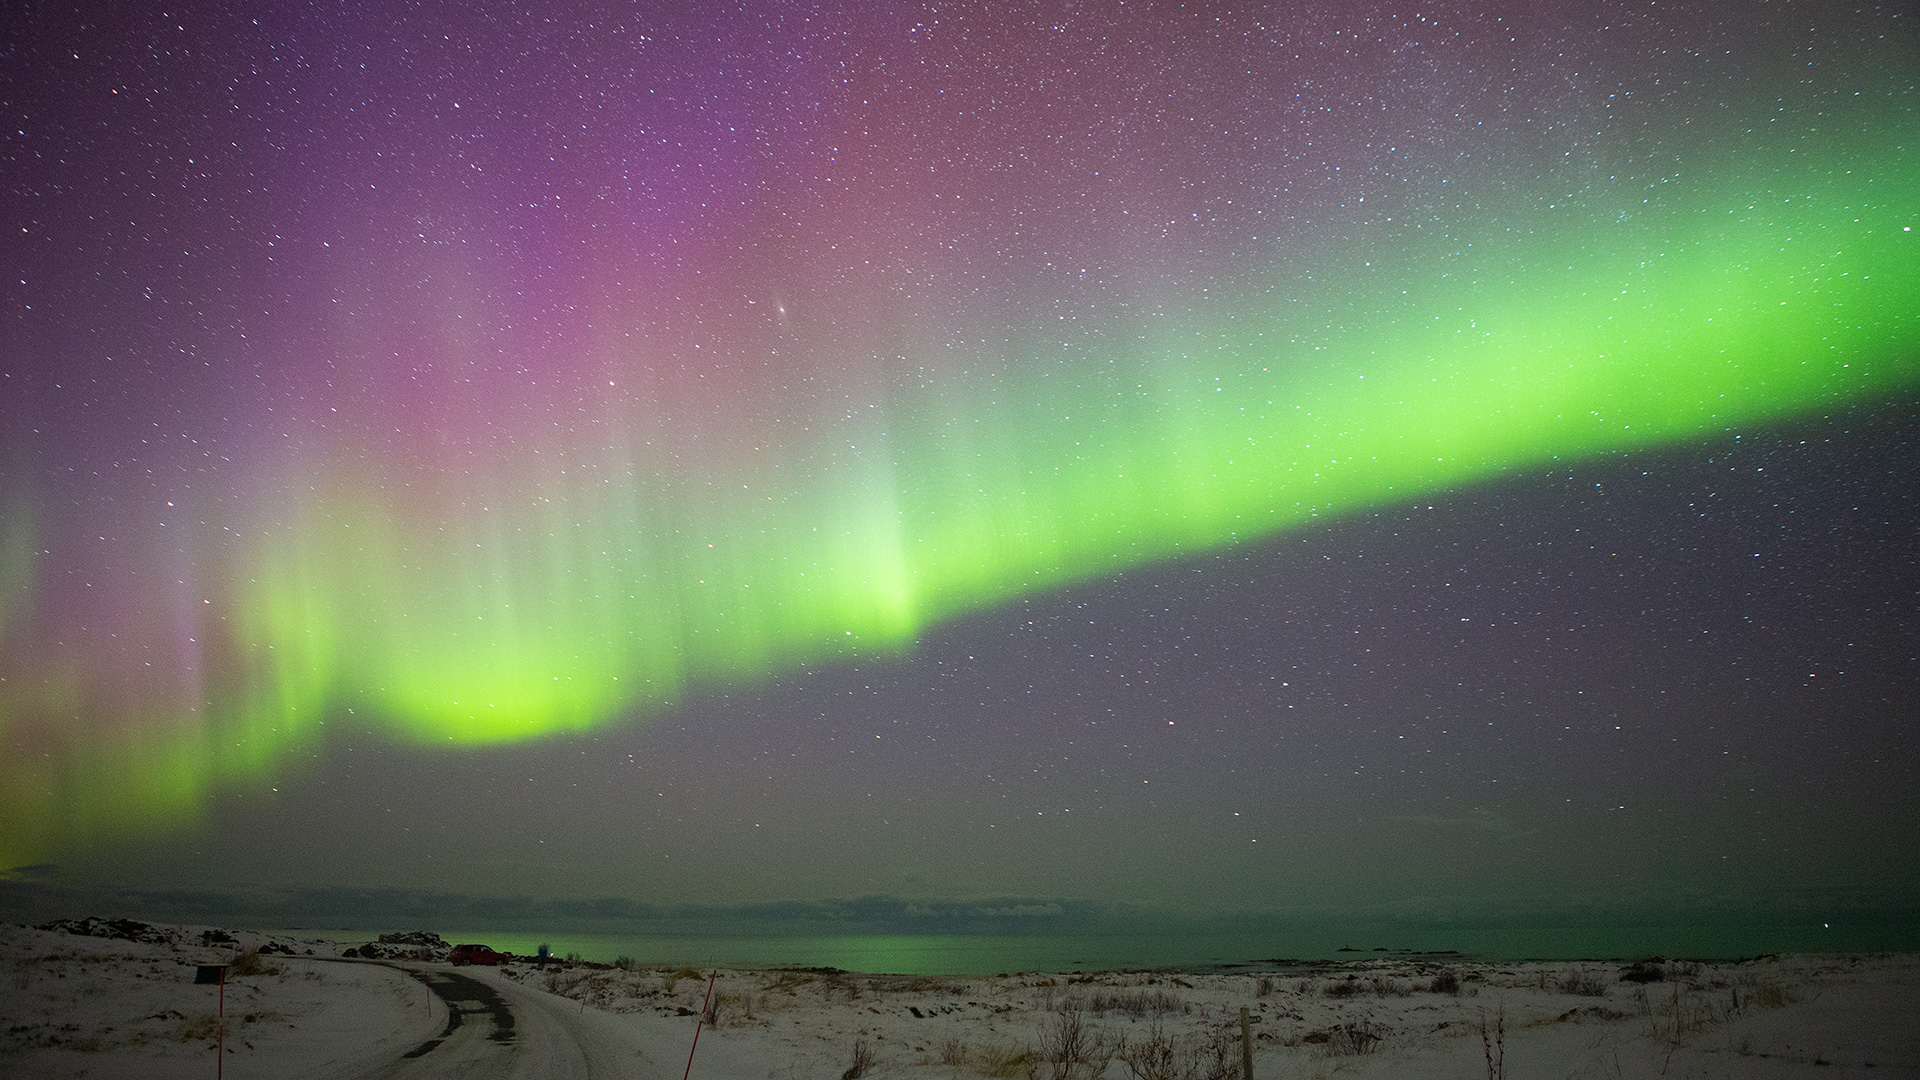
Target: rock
117,929
411,945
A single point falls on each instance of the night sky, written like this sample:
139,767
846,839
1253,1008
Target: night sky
1445,462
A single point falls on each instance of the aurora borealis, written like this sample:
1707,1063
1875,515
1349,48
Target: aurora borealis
464,388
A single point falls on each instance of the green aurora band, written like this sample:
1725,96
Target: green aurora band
525,598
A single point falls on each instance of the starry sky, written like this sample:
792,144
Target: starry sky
1435,461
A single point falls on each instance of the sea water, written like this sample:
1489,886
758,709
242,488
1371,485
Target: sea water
967,954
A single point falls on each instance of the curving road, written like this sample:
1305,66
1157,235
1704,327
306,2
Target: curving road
497,1028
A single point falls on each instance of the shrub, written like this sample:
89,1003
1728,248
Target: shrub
250,963
1584,983
1644,971
1358,1037
1216,1060
1070,1049
862,1061
1137,1004
1445,983
1385,987
1155,1057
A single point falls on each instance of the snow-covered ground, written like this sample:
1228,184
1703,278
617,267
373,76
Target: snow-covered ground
81,1006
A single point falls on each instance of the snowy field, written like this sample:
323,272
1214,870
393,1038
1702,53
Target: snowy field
79,1005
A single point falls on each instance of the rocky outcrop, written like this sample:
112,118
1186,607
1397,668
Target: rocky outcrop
412,945
117,929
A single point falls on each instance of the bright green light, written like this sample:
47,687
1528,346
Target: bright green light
553,592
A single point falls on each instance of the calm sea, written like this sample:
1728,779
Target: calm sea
956,954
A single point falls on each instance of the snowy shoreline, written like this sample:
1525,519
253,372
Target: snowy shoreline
100,999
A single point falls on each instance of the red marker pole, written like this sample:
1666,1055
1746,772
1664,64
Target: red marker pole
698,1021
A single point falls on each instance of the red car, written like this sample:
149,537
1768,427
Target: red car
478,954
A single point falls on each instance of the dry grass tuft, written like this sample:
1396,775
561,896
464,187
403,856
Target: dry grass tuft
1771,995
250,963
1137,1004
1007,1062
862,1061
204,1027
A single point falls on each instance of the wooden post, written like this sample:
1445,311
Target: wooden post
698,1021
207,975
1246,1045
